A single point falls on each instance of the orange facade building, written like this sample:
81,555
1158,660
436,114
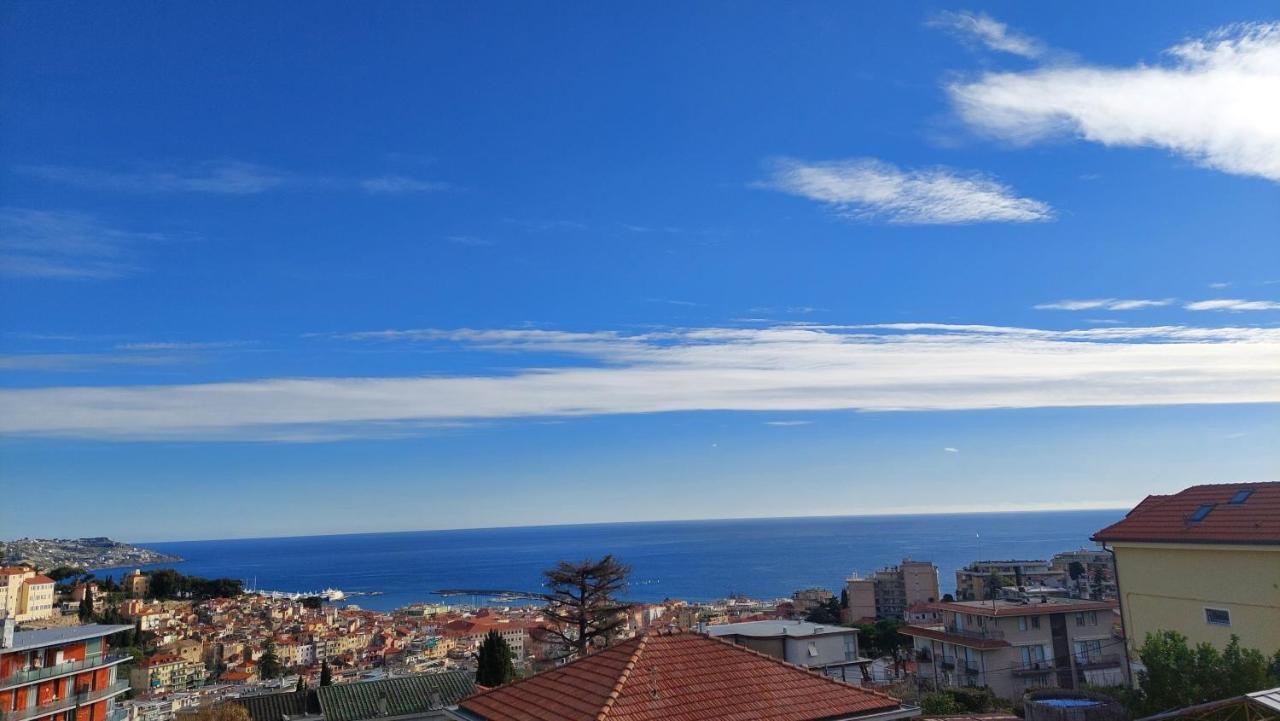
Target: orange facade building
59,674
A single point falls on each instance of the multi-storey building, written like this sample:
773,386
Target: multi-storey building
833,650
166,672
137,584
24,594
59,674
1015,646
973,580
1096,571
1204,562
889,592
807,599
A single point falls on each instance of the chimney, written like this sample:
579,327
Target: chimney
6,637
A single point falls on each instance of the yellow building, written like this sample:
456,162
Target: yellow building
24,594
1204,562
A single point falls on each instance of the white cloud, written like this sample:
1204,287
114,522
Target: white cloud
990,32
1233,304
220,177
888,367
1216,101
179,345
1105,304
949,449
65,245
865,188
787,424
399,184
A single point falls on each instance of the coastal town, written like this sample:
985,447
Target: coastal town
169,645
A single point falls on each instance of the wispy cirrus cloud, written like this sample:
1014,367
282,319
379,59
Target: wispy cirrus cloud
869,189
888,367
400,185
66,245
1233,304
988,31
1215,101
1105,304
218,177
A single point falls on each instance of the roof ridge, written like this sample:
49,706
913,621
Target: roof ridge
530,677
622,678
798,667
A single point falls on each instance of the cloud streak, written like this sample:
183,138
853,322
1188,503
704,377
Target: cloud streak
1233,304
1104,304
990,32
890,367
869,189
222,177
65,245
1215,101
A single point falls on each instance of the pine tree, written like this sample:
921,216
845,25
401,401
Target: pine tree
302,684
582,603
494,666
326,676
269,663
86,606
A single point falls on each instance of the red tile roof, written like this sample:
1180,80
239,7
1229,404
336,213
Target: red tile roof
39,581
676,677
1169,518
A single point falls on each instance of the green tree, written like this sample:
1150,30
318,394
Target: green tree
828,612
494,666
939,704
1176,674
269,662
582,603
844,598
86,606
994,582
326,675
1075,570
302,684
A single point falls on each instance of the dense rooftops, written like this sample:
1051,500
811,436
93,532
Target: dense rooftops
674,677
1223,513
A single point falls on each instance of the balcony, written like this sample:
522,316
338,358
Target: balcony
981,634
70,702
1033,668
21,678
947,663
1097,660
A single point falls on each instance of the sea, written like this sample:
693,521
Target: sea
691,560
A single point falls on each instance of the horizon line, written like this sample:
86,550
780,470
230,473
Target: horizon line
1104,506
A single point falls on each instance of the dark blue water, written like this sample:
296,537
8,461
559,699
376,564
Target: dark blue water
692,560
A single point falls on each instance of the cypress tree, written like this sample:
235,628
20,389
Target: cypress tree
494,666
326,676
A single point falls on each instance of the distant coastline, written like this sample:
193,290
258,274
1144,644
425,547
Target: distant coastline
96,552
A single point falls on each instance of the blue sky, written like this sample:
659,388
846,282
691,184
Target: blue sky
311,268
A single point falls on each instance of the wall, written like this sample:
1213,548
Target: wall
1168,586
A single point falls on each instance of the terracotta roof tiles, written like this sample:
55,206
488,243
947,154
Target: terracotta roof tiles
1204,514
676,677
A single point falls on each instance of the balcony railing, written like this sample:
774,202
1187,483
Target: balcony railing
72,701
1096,660
19,678
978,633
1033,667
947,663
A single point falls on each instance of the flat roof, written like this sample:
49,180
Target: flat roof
1016,608
40,638
761,629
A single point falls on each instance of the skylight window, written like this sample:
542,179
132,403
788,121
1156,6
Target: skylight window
1241,496
1200,513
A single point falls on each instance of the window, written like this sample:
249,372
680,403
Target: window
1217,617
813,649
1201,512
1079,619
850,653
1241,496
1022,623
1035,622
